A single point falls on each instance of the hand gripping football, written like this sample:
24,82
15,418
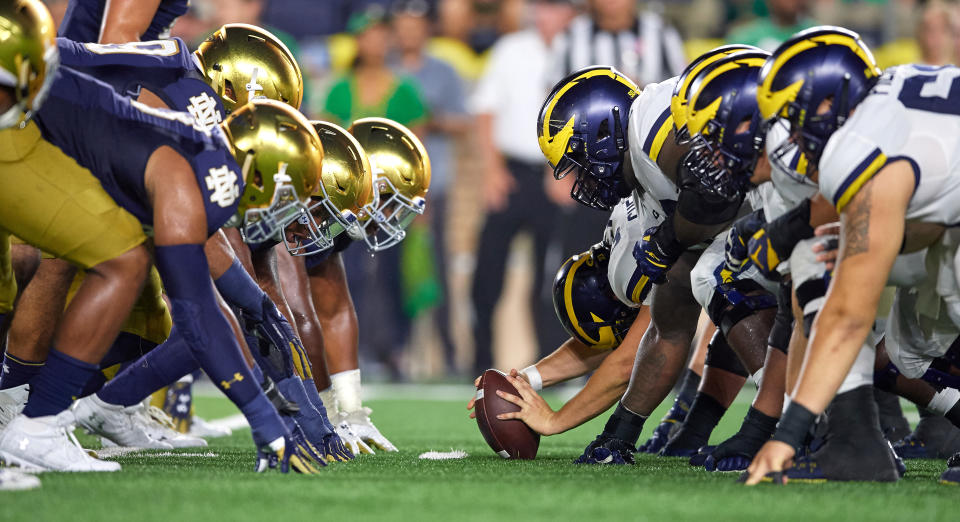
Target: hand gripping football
511,439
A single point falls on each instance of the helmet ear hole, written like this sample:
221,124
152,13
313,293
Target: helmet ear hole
228,91
257,180
603,130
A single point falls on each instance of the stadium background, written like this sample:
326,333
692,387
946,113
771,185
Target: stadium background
415,306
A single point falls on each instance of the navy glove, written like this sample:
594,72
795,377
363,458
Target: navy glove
607,450
738,237
655,254
774,243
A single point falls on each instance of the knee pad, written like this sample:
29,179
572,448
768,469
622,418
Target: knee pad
939,376
810,296
779,338
721,356
736,300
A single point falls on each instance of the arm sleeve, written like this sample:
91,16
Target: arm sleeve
172,55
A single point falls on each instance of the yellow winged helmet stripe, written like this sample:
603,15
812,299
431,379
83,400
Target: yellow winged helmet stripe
554,147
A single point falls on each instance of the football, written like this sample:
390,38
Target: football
511,439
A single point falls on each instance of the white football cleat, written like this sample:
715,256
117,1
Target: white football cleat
160,426
361,425
12,401
47,444
351,440
11,480
202,428
116,423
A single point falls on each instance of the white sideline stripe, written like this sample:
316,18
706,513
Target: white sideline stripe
233,422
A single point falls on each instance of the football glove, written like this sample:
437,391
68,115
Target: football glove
363,427
670,423
737,452
607,450
735,254
351,440
655,254
284,454
334,448
774,243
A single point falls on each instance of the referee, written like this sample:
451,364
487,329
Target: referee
644,48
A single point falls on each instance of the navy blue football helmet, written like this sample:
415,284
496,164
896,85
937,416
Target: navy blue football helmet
582,129
585,303
723,120
821,63
681,92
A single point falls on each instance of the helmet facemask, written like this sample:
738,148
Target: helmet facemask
597,166
323,223
24,105
388,217
265,224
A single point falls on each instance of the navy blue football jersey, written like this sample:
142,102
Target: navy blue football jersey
84,19
113,137
165,67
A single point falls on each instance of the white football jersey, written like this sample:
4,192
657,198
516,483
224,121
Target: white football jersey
650,123
627,223
914,115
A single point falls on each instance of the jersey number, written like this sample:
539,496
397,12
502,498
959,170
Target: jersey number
938,93
151,48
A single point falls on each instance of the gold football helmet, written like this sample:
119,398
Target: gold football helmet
28,57
401,177
345,188
280,156
243,62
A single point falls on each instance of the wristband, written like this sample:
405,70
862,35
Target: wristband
794,425
533,377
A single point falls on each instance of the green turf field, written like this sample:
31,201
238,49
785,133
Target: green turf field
480,487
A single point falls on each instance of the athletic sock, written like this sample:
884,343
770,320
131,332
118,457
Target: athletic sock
17,372
162,366
704,414
624,425
688,386
58,384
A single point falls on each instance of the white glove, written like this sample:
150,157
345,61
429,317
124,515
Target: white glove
361,425
356,445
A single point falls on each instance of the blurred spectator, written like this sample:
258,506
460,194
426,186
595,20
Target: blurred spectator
936,33
641,44
444,95
785,18
506,103
370,88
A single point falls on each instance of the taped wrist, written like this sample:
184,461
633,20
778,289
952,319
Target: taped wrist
789,229
794,425
624,425
533,377
346,388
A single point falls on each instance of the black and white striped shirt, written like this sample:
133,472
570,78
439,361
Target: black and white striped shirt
650,52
